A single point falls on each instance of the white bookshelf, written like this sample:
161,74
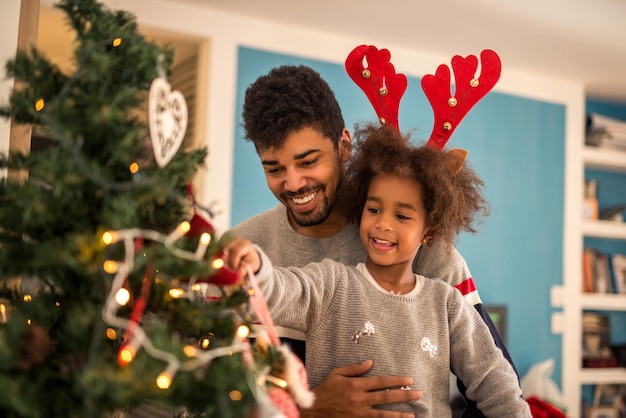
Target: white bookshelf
574,301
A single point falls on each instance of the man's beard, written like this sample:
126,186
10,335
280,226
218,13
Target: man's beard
320,215
316,218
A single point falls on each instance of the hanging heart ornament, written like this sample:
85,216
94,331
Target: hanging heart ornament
167,120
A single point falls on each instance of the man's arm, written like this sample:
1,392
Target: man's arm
344,393
436,261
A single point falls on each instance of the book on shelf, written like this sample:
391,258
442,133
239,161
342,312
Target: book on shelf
603,273
618,270
605,132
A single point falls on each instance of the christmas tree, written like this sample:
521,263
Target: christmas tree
113,292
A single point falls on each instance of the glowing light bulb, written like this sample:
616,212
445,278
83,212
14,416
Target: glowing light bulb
109,237
28,298
205,343
163,381
218,263
177,293
281,383
205,238
134,167
39,105
117,42
235,395
110,266
243,331
126,355
190,351
180,230
111,334
122,296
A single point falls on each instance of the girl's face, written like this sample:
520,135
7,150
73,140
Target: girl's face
393,221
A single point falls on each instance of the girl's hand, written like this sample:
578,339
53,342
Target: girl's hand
239,253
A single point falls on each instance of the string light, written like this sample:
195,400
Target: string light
111,334
110,266
117,42
163,381
126,355
190,351
134,167
139,337
39,105
28,298
243,331
3,313
277,381
205,240
127,352
109,237
218,263
235,395
205,343
180,230
122,296
177,293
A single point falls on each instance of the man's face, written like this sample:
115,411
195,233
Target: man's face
305,174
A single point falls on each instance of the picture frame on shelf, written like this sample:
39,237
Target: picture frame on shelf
596,341
603,412
498,315
611,396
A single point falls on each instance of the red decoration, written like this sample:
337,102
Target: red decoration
224,276
378,80
282,400
449,110
199,225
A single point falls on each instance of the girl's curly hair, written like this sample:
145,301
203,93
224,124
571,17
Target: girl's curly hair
453,202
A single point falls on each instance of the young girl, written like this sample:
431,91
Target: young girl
404,196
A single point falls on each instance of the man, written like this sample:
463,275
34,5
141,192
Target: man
294,121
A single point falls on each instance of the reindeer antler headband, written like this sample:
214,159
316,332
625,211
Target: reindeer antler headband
376,76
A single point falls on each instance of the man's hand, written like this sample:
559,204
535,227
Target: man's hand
345,394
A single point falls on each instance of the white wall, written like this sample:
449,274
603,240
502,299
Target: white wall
226,32
9,22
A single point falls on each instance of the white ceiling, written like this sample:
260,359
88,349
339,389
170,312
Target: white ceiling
579,40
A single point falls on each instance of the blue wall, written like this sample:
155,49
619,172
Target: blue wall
515,144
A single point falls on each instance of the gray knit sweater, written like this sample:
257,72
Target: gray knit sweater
285,247
348,318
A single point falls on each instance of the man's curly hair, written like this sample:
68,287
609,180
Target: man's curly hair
452,201
286,100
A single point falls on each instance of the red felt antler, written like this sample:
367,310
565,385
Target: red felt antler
371,70
449,110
